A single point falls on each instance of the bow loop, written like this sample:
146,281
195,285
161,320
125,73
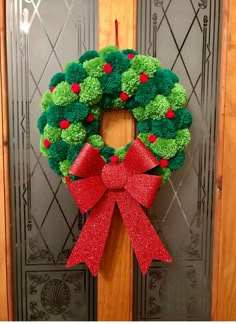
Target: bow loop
139,159
83,167
143,188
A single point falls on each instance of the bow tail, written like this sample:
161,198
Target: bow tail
91,242
145,241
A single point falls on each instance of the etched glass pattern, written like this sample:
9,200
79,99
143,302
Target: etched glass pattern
42,36
184,35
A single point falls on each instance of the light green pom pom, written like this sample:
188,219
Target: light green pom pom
118,103
62,95
94,67
144,138
64,167
74,134
165,173
46,100
53,134
129,82
165,148
42,148
139,113
121,152
145,64
96,141
96,111
157,108
108,49
177,97
183,138
91,91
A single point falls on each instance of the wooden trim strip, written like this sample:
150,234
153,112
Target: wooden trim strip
224,253
115,279
6,298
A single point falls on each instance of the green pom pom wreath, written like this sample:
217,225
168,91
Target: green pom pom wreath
73,105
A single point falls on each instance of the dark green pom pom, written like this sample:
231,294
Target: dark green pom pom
107,152
57,78
42,122
146,92
92,128
177,161
129,51
76,112
58,150
164,81
111,83
164,128
88,56
54,165
118,61
106,102
131,104
74,151
127,146
144,126
75,73
54,115
183,118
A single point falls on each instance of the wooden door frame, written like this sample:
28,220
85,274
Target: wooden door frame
224,251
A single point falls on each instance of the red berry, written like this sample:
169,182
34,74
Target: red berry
170,114
164,163
152,138
46,143
52,88
114,159
130,56
75,87
107,68
67,179
143,77
90,118
64,124
124,96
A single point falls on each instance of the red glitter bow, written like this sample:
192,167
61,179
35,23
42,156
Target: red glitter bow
104,185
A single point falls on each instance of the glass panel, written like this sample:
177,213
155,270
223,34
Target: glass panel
42,36
184,35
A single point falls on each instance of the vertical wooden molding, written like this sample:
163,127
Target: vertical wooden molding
224,252
6,309
115,279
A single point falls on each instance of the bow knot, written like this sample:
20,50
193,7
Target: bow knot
125,184
114,176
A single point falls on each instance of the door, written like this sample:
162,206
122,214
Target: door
42,36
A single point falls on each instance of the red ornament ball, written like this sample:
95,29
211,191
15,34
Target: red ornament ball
75,87
164,163
170,114
67,179
52,89
114,159
90,118
64,124
124,96
46,143
131,56
152,138
143,77
107,68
